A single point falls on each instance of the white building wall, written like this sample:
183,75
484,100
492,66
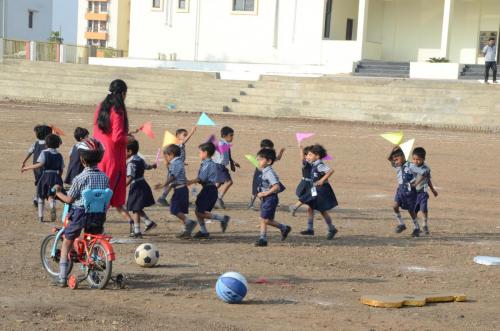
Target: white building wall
341,11
64,19
16,19
82,22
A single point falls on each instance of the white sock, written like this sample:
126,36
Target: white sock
217,217
415,222
425,221
52,203
399,218
203,227
137,228
41,207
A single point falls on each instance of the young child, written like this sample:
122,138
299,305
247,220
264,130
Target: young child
41,131
303,190
183,137
269,188
266,143
139,194
90,151
75,167
179,204
422,184
323,197
206,199
406,194
51,163
224,181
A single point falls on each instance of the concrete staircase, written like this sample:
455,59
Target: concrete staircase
346,98
372,68
473,72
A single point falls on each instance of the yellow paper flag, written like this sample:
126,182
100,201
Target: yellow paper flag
394,137
169,139
252,160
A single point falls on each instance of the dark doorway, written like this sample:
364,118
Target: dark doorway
349,28
328,19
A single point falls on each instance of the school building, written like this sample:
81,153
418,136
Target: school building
104,23
333,34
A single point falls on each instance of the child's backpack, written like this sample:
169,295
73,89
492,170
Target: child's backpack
96,204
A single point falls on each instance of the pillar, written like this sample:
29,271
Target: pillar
62,51
1,50
361,30
32,51
445,30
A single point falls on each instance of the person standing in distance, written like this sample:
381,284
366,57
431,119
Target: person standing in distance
490,53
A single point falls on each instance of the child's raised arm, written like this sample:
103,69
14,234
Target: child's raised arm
301,151
193,130
280,154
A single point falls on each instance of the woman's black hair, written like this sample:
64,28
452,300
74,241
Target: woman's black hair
81,133
172,150
114,99
267,154
208,147
318,150
133,146
266,143
420,152
42,131
226,131
53,141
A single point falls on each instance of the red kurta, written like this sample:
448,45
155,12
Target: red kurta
114,161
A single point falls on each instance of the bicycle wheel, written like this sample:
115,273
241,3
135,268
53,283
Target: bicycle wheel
51,263
99,271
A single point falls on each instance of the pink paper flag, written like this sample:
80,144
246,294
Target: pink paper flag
328,158
158,156
224,148
303,135
147,128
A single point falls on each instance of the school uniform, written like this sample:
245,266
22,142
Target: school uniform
140,195
223,160
90,178
257,177
406,195
75,167
421,203
270,203
324,198
180,198
303,190
35,150
53,165
183,152
207,176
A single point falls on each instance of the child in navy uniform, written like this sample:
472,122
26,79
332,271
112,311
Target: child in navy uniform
179,204
422,184
303,190
51,163
266,143
269,188
139,194
75,167
406,194
91,152
323,198
183,137
224,180
41,131
206,199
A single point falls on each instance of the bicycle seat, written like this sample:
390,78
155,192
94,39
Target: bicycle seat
97,200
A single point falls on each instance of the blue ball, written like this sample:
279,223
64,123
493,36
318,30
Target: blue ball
231,287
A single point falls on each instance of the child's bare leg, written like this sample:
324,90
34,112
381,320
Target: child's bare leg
224,188
223,219
147,220
136,217
414,219
426,218
328,221
263,229
188,224
124,213
285,229
397,214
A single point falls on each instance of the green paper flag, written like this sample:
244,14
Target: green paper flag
252,160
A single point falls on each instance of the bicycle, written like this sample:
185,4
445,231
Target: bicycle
93,251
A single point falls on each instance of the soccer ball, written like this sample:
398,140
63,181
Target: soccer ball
147,255
231,287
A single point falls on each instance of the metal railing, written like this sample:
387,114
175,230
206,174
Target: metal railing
54,52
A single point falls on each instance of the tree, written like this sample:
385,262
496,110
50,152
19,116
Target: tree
55,37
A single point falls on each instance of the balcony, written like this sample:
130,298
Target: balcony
91,16
96,35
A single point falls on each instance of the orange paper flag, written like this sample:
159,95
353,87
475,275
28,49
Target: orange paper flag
147,128
56,130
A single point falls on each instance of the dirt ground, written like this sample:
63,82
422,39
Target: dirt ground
313,284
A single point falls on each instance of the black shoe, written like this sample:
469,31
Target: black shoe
331,234
35,203
426,230
307,232
184,235
415,233
400,228
162,202
261,243
201,235
40,219
150,226
224,223
137,235
60,282
285,232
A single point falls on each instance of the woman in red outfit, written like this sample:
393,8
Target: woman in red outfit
111,129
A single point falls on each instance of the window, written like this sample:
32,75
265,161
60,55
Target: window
156,4
349,28
103,26
104,7
90,6
102,43
245,6
328,19
182,6
30,19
